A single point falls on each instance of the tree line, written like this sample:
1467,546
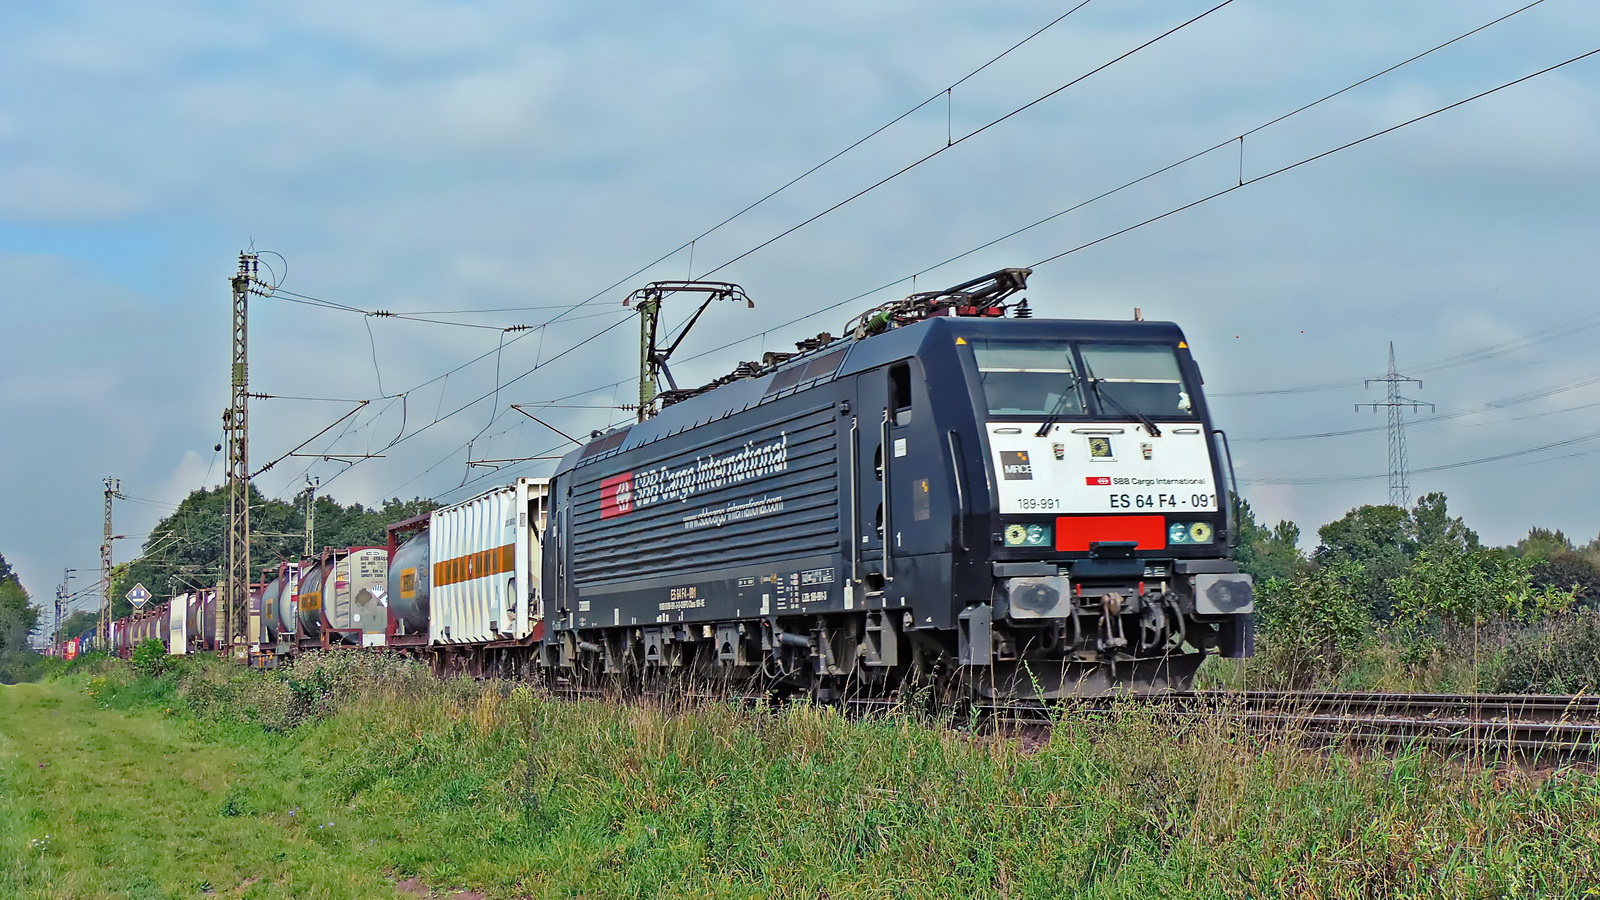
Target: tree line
18,618
1412,599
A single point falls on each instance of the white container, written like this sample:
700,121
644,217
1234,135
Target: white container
178,625
485,555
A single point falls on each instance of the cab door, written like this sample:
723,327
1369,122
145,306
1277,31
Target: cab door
881,429
869,428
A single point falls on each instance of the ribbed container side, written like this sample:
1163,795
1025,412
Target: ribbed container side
253,634
484,555
178,625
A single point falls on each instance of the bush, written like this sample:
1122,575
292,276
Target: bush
222,692
313,686
323,682
1560,656
151,658
1471,588
1313,626
22,665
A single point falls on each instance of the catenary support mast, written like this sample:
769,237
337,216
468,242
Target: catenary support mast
103,629
235,608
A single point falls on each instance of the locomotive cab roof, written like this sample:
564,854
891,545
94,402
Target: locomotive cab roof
848,356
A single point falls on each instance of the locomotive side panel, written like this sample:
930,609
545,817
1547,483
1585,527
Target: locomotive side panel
735,519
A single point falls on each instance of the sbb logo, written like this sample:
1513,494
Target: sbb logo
616,496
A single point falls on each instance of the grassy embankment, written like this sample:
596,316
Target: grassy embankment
346,775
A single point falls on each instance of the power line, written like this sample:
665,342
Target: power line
1433,420
689,244
1136,181
1344,479
968,136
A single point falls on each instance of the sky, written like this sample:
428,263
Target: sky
536,162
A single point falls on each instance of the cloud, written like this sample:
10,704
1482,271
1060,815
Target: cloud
51,194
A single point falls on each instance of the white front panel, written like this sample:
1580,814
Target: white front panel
1102,467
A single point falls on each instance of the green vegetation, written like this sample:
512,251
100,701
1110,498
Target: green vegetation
1395,599
18,619
351,772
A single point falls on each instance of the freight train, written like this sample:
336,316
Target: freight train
953,496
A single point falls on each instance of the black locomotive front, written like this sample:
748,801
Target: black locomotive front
1011,507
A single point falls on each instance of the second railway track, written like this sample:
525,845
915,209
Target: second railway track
1519,723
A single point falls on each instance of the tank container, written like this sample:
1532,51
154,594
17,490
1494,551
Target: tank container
353,595
269,607
308,601
410,579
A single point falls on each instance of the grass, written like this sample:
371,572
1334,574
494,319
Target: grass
505,790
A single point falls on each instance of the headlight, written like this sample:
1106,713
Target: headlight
1019,535
1189,533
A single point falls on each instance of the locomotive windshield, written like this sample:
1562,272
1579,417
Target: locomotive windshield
1137,378
1046,378
1028,378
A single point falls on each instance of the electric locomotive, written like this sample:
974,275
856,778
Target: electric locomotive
955,494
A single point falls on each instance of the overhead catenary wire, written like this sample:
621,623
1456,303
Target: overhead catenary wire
1242,182
1146,177
509,383
966,137
1295,165
950,144
1311,159
941,93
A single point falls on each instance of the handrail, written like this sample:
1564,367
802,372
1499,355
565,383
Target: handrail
954,440
1232,512
855,501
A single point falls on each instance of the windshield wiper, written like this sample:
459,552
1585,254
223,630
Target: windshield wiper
1060,407
1094,384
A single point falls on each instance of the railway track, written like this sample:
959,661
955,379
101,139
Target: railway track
1517,723
1539,725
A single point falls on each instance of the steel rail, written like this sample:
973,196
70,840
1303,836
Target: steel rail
1517,723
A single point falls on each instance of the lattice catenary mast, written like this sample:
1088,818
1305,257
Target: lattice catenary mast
235,610
103,627
1399,483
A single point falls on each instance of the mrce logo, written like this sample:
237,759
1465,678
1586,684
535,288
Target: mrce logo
1014,465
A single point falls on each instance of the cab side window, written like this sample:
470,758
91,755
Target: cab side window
900,394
